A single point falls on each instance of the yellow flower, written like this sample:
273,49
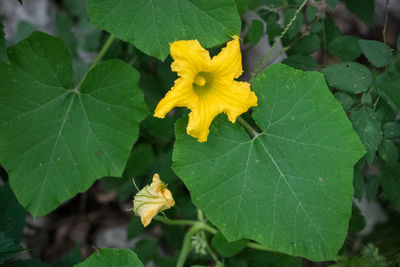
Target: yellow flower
206,86
152,199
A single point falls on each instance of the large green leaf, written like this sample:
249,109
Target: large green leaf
111,257
56,142
12,215
289,188
152,25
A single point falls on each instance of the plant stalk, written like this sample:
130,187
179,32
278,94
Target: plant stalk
96,61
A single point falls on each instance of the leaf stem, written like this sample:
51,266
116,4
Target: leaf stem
187,244
174,222
266,58
96,61
253,133
257,246
386,21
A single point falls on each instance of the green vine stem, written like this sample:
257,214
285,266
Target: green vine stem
253,133
267,56
386,21
96,61
197,226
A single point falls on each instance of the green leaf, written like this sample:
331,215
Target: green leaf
363,9
329,30
389,83
7,247
289,188
63,31
228,249
74,137
273,28
358,181
376,52
307,45
3,54
390,181
345,48
398,42
152,25
391,130
371,187
301,62
12,215
255,32
25,263
311,11
257,258
332,3
342,76
369,128
74,257
134,228
357,221
111,257
345,100
296,24
389,152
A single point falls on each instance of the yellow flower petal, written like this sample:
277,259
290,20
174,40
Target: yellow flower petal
189,58
151,200
229,61
180,95
206,86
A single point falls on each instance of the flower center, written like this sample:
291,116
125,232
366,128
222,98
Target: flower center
200,80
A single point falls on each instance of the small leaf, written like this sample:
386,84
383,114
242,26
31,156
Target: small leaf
3,54
307,45
74,257
255,32
389,83
371,187
7,247
345,100
345,48
390,180
289,188
295,27
74,137
228,249
389,152
350,77
376,52
332,3
369,128
12,215
107,257
358,181
273,27
152,25
357,221
363,9
311,11
330,30
301,62
391,130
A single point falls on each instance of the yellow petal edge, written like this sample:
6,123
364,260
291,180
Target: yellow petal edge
206,85
151,200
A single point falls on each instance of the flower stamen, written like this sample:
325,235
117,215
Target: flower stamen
200,80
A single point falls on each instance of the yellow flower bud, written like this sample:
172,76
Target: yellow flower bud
151,200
